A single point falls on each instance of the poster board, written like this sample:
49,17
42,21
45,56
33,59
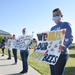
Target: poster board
23,42
11,43
47,49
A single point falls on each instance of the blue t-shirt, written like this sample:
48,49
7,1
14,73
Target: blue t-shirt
68,35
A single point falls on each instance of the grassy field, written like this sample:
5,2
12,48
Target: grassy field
43,68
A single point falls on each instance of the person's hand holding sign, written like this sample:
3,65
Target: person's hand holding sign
62,47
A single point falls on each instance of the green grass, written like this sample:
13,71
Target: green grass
43,68
70,66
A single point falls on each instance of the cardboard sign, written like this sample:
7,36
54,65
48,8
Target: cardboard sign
11,43
48,46
8,45
23,42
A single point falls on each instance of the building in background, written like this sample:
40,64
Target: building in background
5,34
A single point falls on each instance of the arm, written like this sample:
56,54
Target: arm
68,36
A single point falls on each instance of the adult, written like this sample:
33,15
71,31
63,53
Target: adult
14,50
24,56
58,68
3,46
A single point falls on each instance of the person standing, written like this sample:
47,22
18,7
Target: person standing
24,56
3,46
59,67
9,49
14,50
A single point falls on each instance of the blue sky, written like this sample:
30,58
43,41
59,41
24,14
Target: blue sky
35,15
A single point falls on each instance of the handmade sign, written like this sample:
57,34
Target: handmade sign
48,46
8,45
11,43
23,42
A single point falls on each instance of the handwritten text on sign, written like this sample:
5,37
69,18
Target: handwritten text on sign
23,42
48,46
11,43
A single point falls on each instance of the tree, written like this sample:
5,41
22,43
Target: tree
1,39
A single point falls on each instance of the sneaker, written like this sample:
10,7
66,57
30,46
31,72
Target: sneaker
8,58
22,72
2,54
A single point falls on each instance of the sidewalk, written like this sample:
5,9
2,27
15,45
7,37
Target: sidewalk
6,67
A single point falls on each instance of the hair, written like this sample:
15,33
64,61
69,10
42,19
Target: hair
24,29
57,9
3,40
13,34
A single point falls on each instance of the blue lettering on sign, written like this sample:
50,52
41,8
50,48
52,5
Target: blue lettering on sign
42,37
50,58
42,46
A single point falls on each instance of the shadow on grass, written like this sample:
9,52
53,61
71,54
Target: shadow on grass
70,71
72,55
